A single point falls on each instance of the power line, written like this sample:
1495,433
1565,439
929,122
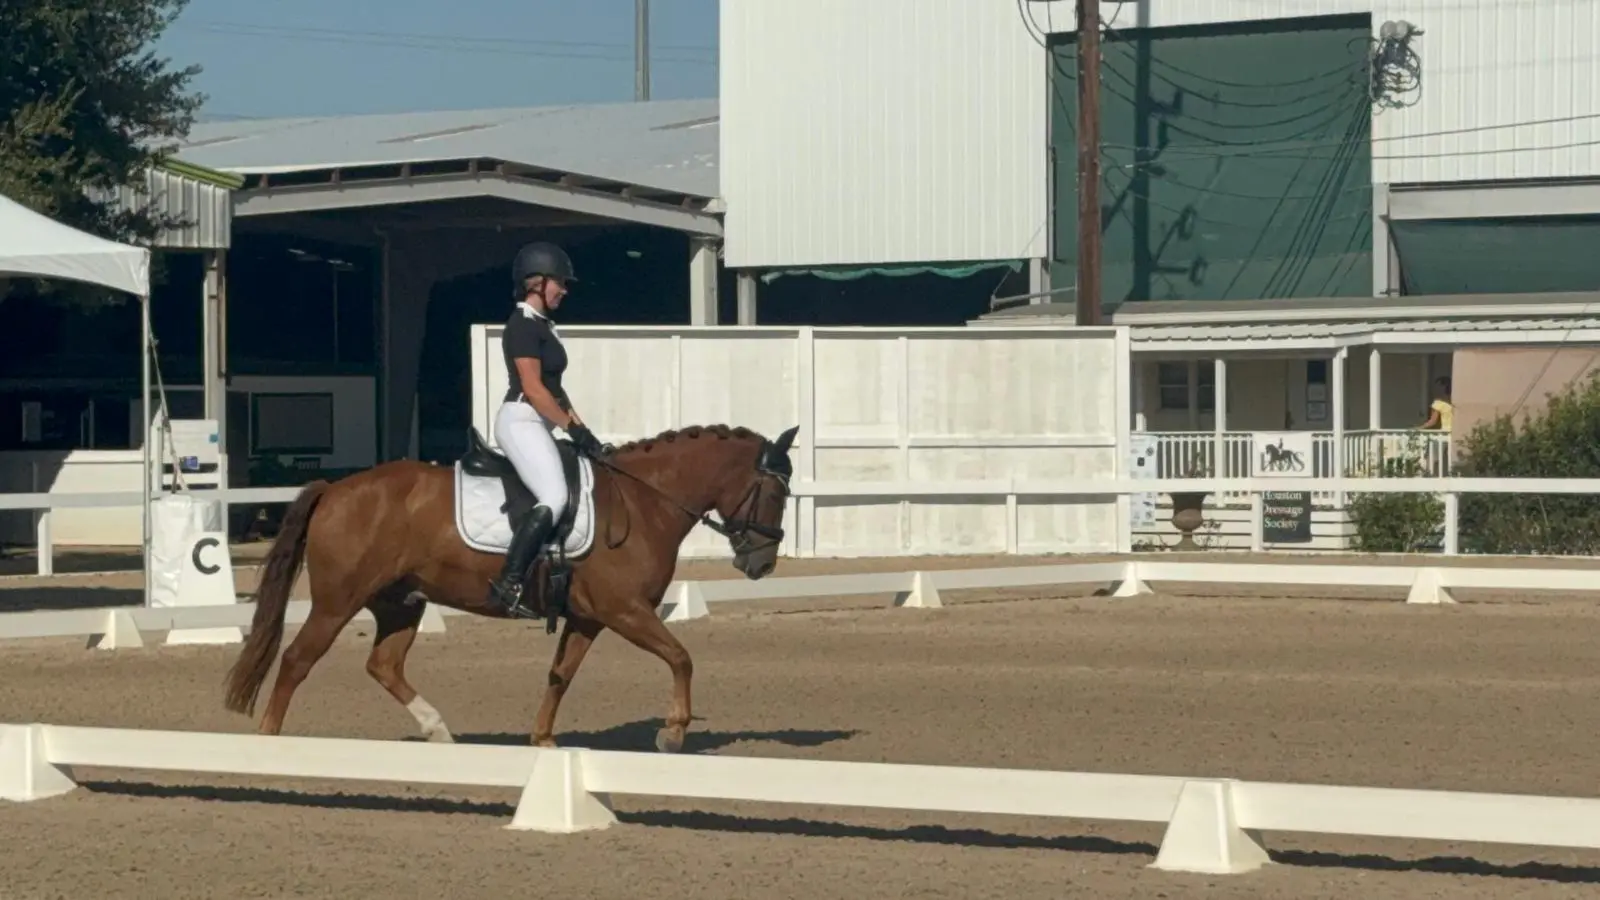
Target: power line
449,43
515,42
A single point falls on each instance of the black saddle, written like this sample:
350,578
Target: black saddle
482,461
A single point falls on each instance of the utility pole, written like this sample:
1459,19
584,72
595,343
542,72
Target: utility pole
1088,292
641,50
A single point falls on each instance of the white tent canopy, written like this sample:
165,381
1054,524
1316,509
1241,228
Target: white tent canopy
32,244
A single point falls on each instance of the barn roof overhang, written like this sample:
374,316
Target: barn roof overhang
366,187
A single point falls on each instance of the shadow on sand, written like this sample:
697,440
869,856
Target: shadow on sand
641,736
794,827
65,597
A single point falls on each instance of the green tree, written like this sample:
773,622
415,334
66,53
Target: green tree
87,106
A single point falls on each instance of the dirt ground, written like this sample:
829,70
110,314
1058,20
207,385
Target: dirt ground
1498,695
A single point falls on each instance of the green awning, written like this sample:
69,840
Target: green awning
852,273
1498,256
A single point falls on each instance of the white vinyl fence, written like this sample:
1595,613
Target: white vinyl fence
924,407
1212,825
111,628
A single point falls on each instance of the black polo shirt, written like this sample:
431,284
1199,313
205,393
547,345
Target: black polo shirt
529,335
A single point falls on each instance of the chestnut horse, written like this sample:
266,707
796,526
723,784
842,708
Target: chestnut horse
386,540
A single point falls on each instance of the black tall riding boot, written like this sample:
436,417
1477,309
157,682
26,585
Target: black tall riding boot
505,592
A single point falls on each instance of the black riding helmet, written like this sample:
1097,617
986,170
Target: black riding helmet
540,258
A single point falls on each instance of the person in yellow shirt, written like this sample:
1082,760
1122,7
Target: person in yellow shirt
1441,412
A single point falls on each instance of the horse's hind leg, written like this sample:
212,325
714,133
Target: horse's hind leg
397,628
322,626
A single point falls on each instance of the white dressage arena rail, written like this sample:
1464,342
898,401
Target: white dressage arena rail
1212,825
136,626
1010,488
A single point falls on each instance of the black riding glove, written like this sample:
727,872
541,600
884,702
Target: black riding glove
584,440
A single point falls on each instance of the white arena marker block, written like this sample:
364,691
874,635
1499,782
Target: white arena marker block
554,799
688,602
25,769
923,595
1131,584
432,620
1428,589
121,632
1203,835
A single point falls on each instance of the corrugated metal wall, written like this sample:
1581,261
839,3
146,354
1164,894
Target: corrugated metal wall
208,208
881,132
1491,63
1486,65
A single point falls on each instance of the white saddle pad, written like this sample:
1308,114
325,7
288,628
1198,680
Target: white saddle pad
483,526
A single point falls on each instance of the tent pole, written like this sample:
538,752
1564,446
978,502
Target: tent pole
144,406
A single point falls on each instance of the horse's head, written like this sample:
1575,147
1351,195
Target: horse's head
752,508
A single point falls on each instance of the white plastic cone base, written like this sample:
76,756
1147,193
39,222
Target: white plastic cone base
687,603
1204,837
1131,585
432,620
923,594
121,632
225,635
555,801
25,769
1428,589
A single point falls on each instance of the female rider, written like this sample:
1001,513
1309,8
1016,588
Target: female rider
534,403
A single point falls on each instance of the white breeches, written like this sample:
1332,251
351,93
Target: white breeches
524,437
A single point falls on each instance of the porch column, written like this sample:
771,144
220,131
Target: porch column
702,281
747,297
1194,394
1338,419
213,380
1219,419
1375,390
1136,389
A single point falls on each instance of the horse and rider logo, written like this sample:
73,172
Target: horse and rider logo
1278,458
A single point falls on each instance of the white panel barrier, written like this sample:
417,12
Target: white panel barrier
123,627
1213,826
879,410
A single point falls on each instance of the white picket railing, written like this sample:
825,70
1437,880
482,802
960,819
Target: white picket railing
1212,825
1180,453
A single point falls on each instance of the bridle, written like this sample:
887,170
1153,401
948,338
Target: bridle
771,464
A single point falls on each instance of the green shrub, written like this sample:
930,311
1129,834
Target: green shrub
1563,441
1397,523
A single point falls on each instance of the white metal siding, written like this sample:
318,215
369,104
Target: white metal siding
1487,64
886,131
1058,16
207,208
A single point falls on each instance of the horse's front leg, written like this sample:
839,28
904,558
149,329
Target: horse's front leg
577,636
644,629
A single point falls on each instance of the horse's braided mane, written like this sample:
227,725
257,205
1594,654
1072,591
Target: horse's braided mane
720,432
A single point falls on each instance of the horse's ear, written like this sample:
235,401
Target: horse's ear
785,440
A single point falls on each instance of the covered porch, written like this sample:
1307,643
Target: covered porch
1206,404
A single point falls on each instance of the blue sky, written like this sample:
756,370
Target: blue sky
322,57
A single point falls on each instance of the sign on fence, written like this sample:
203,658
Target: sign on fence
1280,454
1142,467
1286,517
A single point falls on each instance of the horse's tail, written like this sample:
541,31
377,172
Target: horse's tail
278,574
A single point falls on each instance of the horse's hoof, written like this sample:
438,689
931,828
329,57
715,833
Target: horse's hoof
546,743
669,740
441,736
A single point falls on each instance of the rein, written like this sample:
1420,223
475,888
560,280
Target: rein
737,528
